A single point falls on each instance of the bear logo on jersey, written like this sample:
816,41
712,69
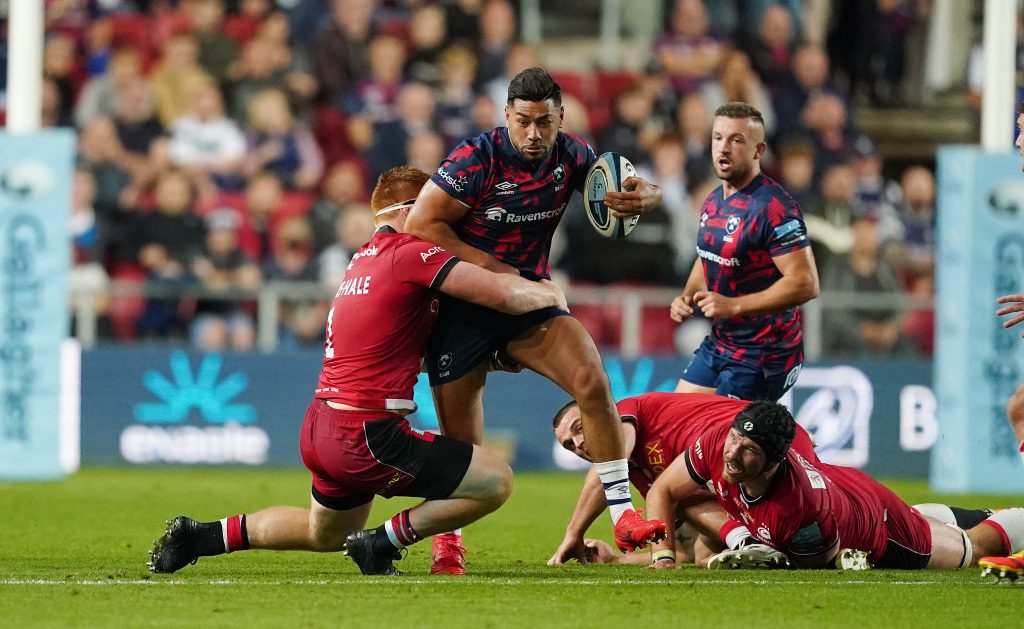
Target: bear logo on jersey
732,225
445,361
559,174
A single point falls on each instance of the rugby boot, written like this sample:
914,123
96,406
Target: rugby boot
852,559
749,557
632,532
449,555
179,545
359,546
1010,568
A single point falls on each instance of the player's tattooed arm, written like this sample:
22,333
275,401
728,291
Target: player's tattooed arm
1016,304
671,487
637,196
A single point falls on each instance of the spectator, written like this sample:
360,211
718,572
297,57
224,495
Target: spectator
456,98
293,261
177,78
912,251
497,37
217,51
427,32
263,197
829,220
669,170
693,119
99,96
98,47
519,58
851,331
809,77
415,115
796,173
60,66
100,152
425,151
292,59
688,54
340,50
278,146
352,229
738,82
54,112
629,132
135,119
207,145
88,235
223,268
825,117
771,53
375,97
344,190
876,197
257,70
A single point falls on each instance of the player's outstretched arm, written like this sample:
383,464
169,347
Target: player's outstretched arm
501,291
637,196
682,306
798,285
432,217
1016,305
589,506
673,486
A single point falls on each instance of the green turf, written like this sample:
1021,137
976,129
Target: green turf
73,554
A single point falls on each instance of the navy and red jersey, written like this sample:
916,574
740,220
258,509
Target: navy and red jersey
737,239
514,205
809,504
379,321
666,425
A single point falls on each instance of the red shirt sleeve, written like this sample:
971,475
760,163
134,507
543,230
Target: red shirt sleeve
423,263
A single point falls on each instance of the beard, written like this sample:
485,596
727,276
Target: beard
536,156
736,175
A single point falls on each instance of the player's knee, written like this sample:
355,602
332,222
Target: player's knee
324,540
499,484
589,383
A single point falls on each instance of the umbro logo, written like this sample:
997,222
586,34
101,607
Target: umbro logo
506,185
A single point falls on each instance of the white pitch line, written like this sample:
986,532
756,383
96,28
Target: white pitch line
401,581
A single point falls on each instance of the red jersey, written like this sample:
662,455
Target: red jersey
379,321
666,425
808,505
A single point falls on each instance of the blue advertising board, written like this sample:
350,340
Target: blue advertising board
978,364
35,197
143,406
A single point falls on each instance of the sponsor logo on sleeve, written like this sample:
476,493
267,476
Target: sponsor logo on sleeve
425,255
458,184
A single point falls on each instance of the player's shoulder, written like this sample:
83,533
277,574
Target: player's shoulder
574,142
767,189
480,146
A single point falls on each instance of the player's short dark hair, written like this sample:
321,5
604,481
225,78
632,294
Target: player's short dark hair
534,85
561,413
389,182
768,424
737,109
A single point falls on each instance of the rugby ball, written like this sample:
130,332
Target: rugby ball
607,174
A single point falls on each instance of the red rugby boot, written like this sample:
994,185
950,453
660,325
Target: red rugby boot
448,556
633,532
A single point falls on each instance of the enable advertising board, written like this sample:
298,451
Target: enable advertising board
145,407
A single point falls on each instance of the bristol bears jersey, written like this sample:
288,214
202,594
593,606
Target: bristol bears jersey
514,205
809,504
379,321
737,239
666,425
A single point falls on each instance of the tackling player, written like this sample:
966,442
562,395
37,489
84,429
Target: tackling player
813,512
657,428
495,201
753,268
355,439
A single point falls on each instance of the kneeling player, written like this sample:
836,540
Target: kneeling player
819,515
355,439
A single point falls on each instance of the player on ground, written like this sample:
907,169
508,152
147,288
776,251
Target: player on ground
495,201
1013,566
819,515
656,428
355,440
753,268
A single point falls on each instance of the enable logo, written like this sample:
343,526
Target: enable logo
163,434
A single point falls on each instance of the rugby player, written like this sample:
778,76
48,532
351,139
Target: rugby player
753,268
495,201
819,515
355,440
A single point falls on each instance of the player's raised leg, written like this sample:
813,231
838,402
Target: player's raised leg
485,484
561,350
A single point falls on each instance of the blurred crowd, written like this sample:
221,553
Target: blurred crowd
224,144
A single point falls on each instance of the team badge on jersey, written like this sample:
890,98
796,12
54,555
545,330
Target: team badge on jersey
731,226
559,174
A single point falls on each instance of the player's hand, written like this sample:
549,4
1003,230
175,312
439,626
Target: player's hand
715,306
555,288
1016,305
600,551
637,196
664,564
681,308
572,547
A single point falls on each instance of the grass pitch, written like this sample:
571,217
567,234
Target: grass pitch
73,553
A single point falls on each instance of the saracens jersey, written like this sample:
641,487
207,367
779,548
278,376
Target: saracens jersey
379,321
737,239
809,505
514,205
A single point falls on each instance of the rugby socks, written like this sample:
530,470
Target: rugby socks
1010,524
614,477
735,535
234,534
395,534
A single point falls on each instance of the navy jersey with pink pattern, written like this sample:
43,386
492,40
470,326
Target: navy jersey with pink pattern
514,205
737,239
